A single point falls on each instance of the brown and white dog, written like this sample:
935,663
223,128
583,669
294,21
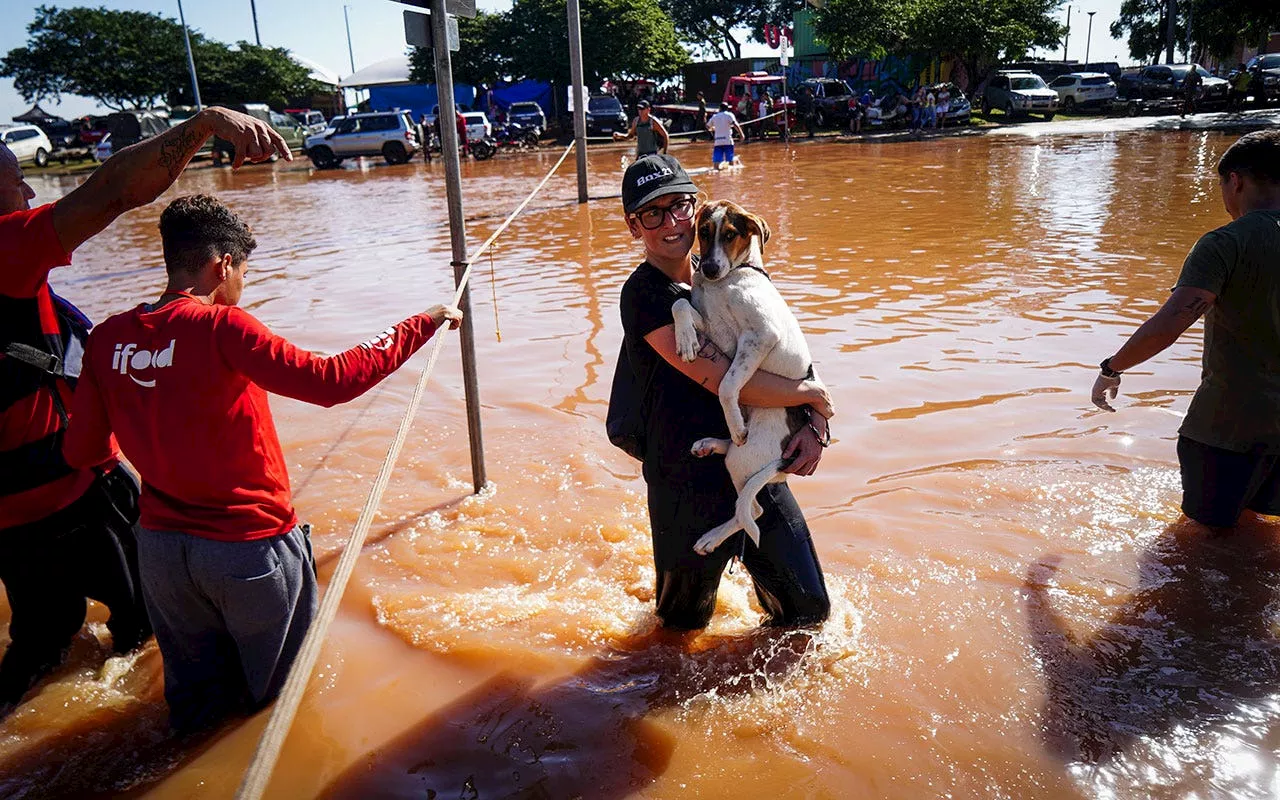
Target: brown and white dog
738,308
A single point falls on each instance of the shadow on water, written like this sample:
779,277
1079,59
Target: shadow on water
583,736
1192,646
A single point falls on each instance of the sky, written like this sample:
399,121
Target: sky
314,29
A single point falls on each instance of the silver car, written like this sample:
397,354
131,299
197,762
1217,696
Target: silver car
1017,93
390,134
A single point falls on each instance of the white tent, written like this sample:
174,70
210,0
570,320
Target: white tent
391,72
319,72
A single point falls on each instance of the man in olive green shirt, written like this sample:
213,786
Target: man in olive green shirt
1229,442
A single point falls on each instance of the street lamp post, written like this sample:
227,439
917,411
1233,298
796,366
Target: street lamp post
253,9
191,62
1088,37
351,54
1067,37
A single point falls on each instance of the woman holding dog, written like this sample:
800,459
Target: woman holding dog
688,496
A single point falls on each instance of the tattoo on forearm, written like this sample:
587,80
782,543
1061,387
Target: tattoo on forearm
176,150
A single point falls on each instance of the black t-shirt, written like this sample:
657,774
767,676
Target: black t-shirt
677,410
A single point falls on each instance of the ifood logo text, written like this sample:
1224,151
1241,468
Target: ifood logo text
127,359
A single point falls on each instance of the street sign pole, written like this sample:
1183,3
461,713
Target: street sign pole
579,98
457,231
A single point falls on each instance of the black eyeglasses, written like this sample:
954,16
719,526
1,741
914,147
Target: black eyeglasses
652,218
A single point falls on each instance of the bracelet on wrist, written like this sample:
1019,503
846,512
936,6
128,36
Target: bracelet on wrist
1107,371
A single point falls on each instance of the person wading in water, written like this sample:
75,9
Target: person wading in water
67,533
1229,442
648,132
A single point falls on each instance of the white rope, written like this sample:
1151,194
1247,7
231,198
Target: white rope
267,753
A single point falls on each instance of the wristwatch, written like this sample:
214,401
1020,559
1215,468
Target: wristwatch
1107,371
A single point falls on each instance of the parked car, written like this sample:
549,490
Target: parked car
527,115
28,143
129,127
308,118
1017,93
62,134
960,108
294,135
92,130
1265,86
605,115
1084,89
390,134
478,126
830,101
435,112
1160,87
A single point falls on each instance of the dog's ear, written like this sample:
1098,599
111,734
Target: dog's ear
760,227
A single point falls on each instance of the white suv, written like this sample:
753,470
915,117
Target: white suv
390,134
27,142
478,125
1079,89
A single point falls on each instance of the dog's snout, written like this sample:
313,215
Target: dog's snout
711,268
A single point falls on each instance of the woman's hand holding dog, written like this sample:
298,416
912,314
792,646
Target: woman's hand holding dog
819,399
806,448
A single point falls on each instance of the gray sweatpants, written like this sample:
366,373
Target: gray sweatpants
229,618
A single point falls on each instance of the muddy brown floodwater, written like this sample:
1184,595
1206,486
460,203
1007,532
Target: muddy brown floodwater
1018,613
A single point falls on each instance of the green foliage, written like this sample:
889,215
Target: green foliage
708,24
1218,27
975,31
482,57
120,58
620,39
129,59
249,74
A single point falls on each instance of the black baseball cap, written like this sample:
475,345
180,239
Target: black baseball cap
642,104
650,177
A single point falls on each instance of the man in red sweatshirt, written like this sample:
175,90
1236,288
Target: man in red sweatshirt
227,571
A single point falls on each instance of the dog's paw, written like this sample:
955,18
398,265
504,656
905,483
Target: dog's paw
739,434
709,447
687,344
708,543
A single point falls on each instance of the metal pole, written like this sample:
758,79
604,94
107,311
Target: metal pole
457,231
1088,38
579,98
1066,37
191,62
350,53
1172,26
253,7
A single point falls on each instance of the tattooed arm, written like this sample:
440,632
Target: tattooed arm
139,174
764,389
1184,307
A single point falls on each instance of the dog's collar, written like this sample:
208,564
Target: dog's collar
759,269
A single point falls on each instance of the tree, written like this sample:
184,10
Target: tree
864,28
1218,27
482,56
620,38
977,32
119,58
709,24
248,74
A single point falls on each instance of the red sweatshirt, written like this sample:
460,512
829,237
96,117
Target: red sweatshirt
184,389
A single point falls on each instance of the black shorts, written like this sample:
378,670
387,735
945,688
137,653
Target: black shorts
1217,484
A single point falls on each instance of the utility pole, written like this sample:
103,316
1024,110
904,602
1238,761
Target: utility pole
1088,38
1172,13
457,230
1066,38
351,54
253,8
1190,51
191,62
579,97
